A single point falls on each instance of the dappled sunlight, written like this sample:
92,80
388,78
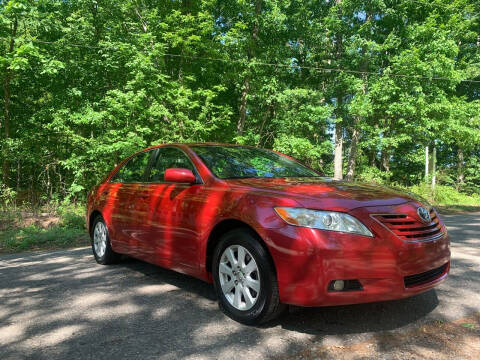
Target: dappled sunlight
63,304
18,299
161,313
86,274
47,258
14,290
59,335
93,298
207,334
155,289
11,333
106,311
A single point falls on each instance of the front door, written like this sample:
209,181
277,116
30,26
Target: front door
171,229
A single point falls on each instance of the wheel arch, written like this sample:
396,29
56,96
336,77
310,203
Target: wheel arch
222,228
91,218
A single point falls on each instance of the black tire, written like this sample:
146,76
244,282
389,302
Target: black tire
267,305
109,256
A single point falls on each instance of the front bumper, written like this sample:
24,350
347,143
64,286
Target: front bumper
308,260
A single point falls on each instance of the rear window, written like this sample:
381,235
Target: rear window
133,171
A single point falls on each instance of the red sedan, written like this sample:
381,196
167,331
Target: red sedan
265,229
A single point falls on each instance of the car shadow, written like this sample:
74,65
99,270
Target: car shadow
162,275
330,320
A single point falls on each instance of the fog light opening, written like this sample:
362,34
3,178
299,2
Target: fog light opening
345,285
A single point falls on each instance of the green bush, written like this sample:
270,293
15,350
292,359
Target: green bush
34,237
16,235
372,174
445,195
7,196
72,216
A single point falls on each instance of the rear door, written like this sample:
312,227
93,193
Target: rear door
129,202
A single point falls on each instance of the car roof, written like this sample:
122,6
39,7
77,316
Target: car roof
199,144
211,144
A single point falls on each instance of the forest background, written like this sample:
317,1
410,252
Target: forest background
384,91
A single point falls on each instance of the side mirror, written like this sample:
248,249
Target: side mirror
178,175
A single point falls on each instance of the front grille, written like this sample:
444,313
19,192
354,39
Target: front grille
425,277
410,228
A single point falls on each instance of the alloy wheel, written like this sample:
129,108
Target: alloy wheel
100,239
239,277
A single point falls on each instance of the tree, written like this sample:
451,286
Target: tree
353,88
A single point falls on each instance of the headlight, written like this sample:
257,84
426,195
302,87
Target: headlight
324,220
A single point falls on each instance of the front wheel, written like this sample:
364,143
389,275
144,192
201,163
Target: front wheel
102,249
245,279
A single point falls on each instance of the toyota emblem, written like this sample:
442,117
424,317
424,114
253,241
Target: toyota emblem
424,215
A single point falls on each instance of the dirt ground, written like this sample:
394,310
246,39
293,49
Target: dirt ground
26,219
437,340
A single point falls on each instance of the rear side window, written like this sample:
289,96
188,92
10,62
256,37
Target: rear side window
134,170
167,158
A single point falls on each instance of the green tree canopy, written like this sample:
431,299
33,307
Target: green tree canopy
368,83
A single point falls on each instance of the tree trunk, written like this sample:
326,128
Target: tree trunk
386,160
426,163
6,125
338,157
243,106
96,22
18,176
434,165
6,106
352,159
461,171
372,157
186,6
246,81
270,109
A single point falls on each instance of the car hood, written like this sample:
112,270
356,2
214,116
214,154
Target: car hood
325,193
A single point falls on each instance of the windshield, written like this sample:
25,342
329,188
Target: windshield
234,162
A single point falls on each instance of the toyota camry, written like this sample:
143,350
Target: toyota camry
266,230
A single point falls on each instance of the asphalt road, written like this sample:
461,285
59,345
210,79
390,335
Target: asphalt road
62,305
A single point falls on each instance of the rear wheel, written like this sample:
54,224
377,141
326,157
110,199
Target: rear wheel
101,247
244,279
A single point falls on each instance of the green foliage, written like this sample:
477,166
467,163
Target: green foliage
86,84
17,235
7,196
445,195
303,150
34,237
472,176
372,174
72,216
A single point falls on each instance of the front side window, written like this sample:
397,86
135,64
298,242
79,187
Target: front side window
230,162
167,158
134,170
